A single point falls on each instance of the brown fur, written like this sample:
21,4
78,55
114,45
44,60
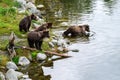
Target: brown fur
25,23
77,31
35,39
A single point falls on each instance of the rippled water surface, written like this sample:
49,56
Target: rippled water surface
99,57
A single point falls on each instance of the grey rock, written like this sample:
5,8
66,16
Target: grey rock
41,56
11,74
23,61
60,49
11,65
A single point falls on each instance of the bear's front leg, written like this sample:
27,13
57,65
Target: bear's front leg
31,43
38,45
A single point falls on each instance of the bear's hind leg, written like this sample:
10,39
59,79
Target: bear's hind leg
40,44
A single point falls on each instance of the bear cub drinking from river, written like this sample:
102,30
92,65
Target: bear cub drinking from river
25,23
80,30
35,39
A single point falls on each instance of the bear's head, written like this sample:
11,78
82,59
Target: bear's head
46,34
86,27
33,17
49,25
85,30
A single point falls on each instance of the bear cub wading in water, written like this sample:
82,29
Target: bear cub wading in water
80,30
25,23
35,39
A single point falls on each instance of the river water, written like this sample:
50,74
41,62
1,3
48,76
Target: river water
99,57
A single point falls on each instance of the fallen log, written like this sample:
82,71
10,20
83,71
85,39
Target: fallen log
47,52
57,54
28,48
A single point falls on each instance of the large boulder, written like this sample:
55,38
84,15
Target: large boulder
11,65
11,74
23,61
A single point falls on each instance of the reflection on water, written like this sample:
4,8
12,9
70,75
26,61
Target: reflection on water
98,57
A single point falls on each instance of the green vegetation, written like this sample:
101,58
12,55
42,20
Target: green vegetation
3,60
9,17
9,20
15,59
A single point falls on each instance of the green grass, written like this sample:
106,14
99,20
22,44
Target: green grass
3,44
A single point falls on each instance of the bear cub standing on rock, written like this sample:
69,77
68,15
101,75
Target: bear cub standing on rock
25,23
35,39
80,30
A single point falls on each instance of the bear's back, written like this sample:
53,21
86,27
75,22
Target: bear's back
76,29
25,20
33,35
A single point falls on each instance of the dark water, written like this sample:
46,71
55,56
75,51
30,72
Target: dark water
99,57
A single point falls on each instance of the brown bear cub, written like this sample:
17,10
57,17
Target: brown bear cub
73,31
44,27
35,39
25,23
